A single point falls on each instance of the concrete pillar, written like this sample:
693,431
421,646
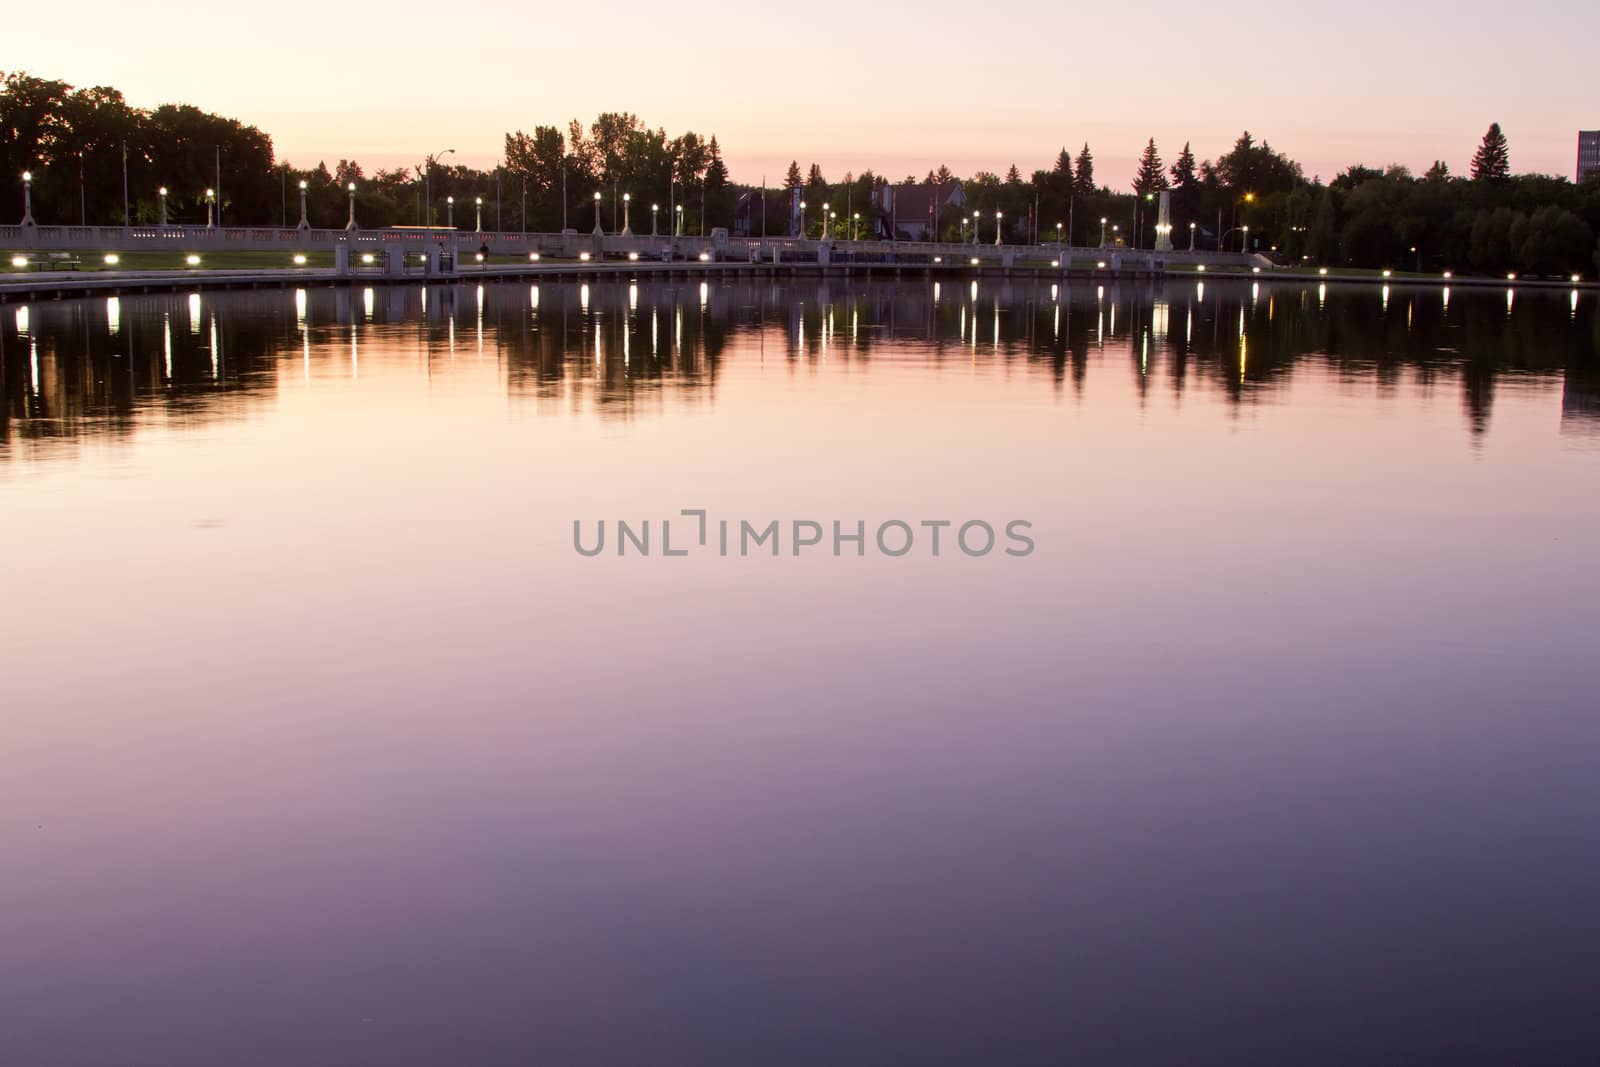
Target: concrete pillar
1164,223
394,261
341,258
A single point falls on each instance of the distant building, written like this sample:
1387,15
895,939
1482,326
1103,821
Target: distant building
767,213
913,211
1588,153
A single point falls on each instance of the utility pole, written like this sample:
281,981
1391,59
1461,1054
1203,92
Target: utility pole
125,219
217,189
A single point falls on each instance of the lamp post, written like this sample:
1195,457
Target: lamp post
351,225
627,230
1058,237
163,195
1191,237
1247,239
599,231
802,219
450,212
211,201
305,223
427,182
655,209
855,226
477,219
678,225
998,229
27,198
1102,231
976,218
963,233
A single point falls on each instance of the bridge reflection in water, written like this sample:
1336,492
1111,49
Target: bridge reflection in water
105,367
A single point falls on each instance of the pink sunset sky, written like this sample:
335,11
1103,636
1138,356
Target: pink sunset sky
971,87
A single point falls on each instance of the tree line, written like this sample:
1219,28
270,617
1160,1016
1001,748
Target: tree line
96,159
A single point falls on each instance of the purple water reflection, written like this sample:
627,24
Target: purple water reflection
321,745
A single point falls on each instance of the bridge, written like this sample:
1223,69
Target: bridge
437,250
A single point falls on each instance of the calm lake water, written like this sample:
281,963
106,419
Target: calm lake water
321,745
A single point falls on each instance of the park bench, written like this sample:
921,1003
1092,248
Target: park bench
62,261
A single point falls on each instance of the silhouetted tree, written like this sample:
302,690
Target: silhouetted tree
1492,161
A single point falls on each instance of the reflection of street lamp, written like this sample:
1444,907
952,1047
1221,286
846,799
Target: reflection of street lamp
211,199
27,198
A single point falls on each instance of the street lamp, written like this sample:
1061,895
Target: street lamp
678,226
27,198
802,219
351,225
450,212
855,226
627,231
305,224
1058,237
1247,229
427,182
655,209
975,220
163,192
211,199
599,232
998,229
1191,237
477,221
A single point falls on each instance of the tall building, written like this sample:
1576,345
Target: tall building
1588,153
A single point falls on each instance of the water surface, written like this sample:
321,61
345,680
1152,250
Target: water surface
321,745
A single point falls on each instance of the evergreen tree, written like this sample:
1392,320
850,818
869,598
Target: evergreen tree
1083,179
816,184
943,175
716,169
1492,161
1440,171
793,180
1150,176
1183,171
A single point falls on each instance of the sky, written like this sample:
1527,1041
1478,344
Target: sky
969,86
